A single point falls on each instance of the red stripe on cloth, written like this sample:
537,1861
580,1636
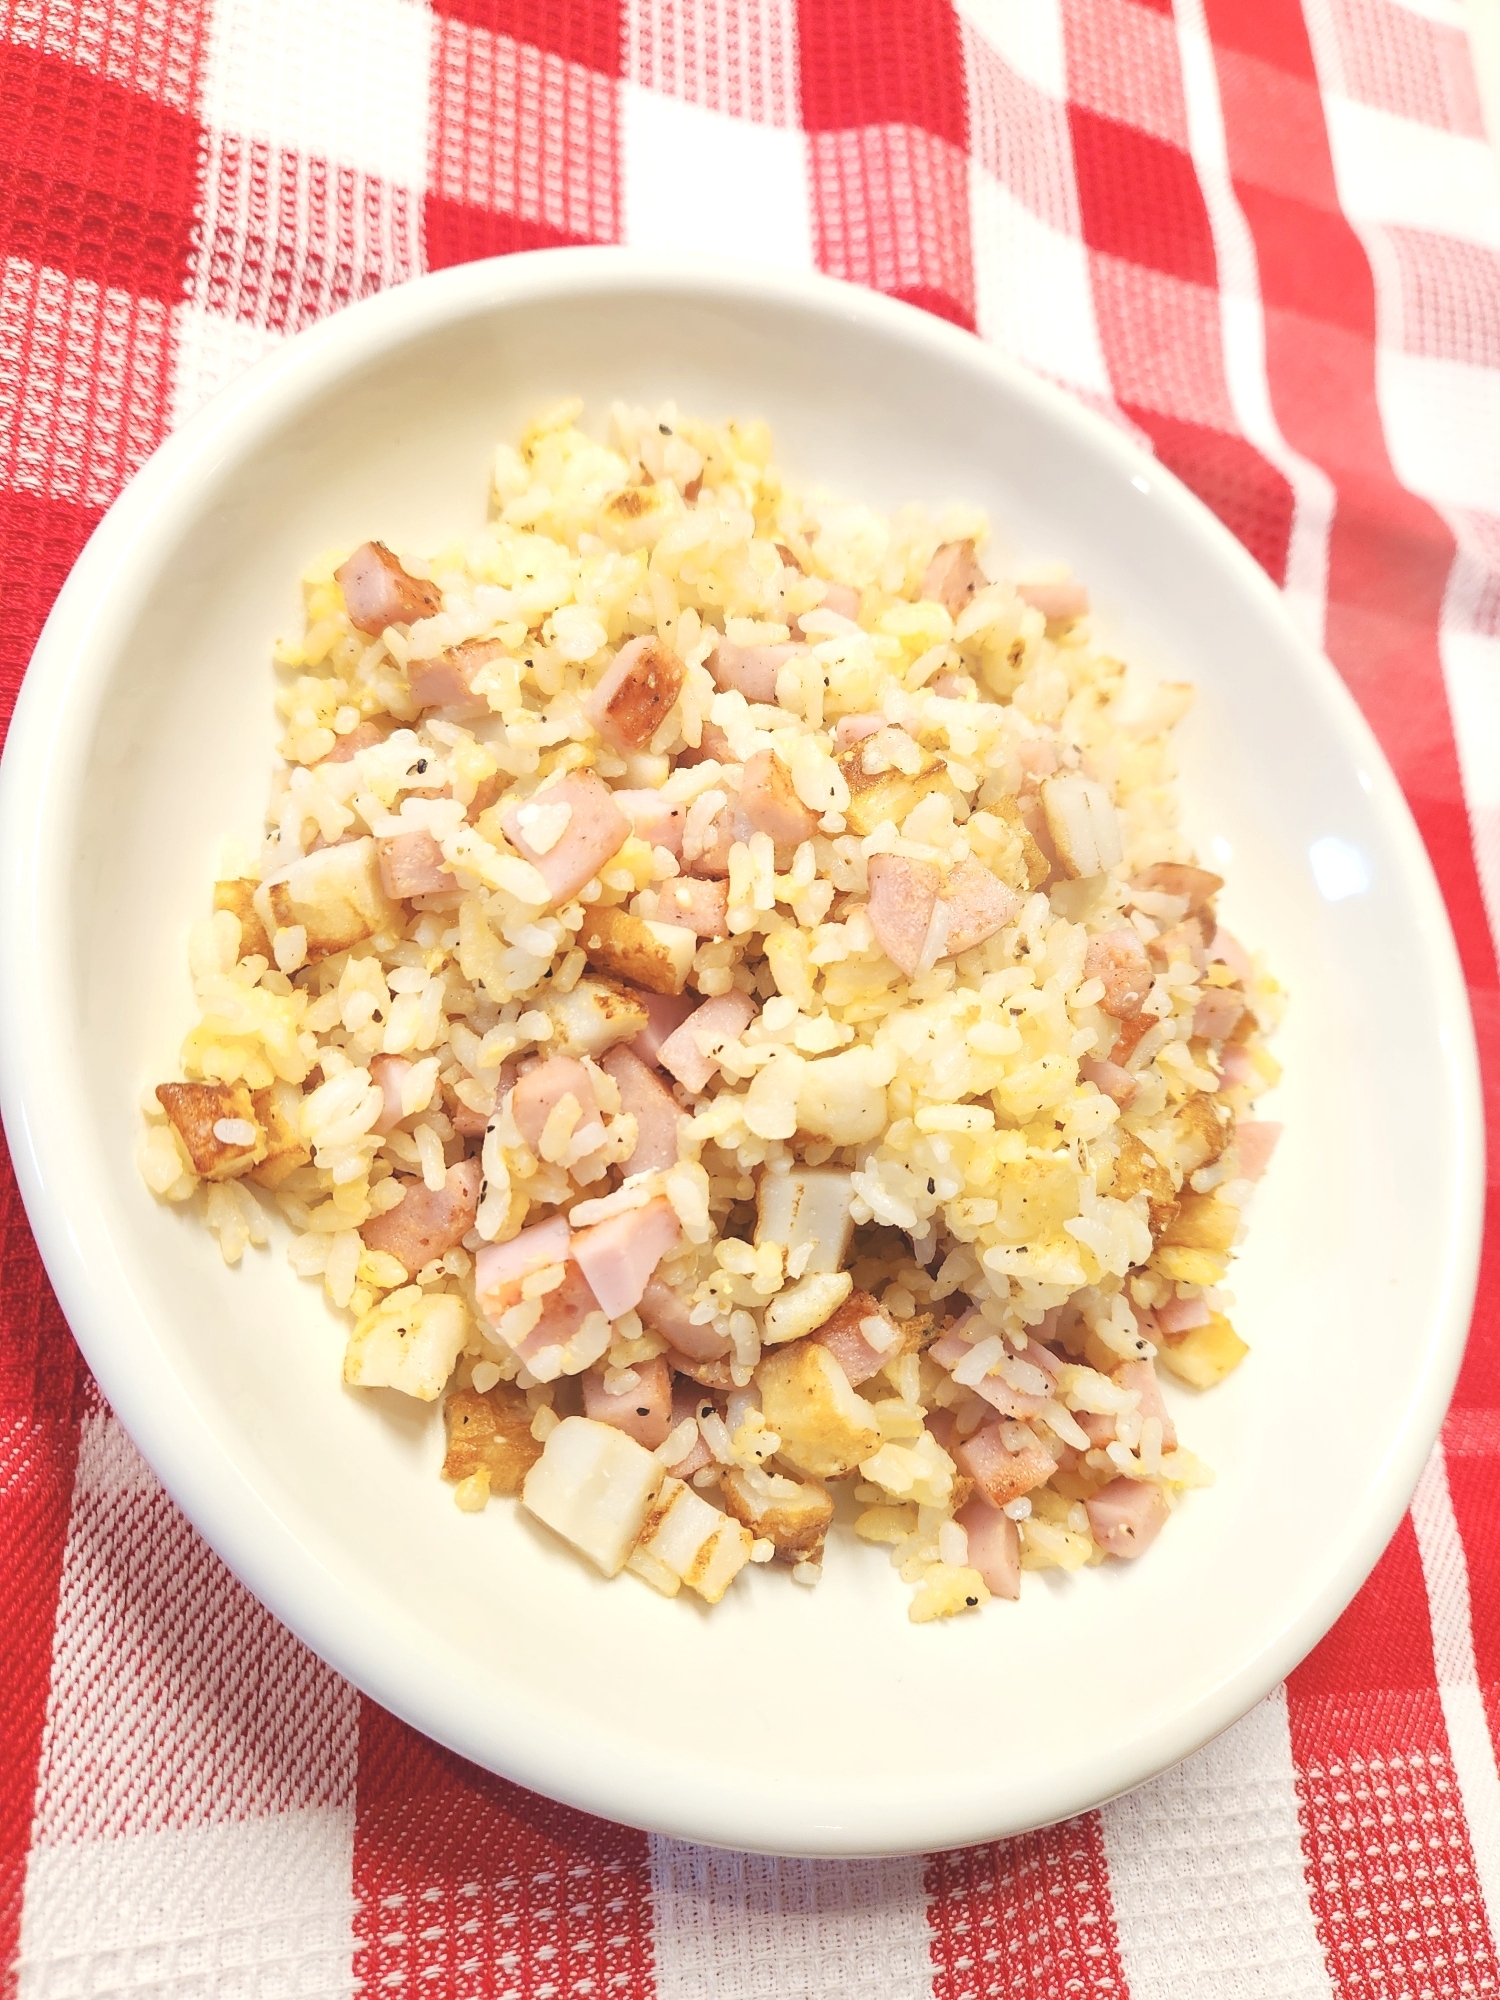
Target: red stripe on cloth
871,65
96,180
885,106
1474,1487
1154,275
40,540
1026,1919
471,1889
590,33
1394,1891
525,136
41,1377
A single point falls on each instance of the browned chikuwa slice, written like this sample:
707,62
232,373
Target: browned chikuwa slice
490,1432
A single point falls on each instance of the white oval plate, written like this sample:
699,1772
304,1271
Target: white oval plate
814,1722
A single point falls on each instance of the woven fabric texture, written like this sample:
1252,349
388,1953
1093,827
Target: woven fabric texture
1264,237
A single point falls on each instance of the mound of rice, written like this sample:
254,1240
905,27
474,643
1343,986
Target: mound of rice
722,1000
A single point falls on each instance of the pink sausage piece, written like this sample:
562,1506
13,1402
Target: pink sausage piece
363,736
389,1072
378,592
852,729
1257,1142
749,670
542,1089
903,895
1182,1315
618,1256
1218,1013
691,1053
564,1310
952,577
653,818
447,679
994,1545
1109,1079
412,864
1141,1377
1000,1474
651,1105
699,905
1037,758
1119,959
665,1013
1059,603
1238,1066
595,832
636,694
978,905
770,805
426,1223
664,1312
1127,1516
643,1413
501,1268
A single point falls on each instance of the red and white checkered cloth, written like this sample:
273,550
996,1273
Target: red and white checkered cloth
1263,235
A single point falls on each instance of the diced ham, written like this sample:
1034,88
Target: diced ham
653,818
953,576
952,687
651,1105
1000,1474
1110,1079
447,679
1228,950
664,1311
994,1545
978,904
618,1256
1257,1142
1037,757
466,1122
644,1412
412,864
389,1072
691,1052
750,670
1197,886
852,729
638,689
1239,1068
500,1269
596,830
542,1089
665,1013
687,1400
1184,940
378,592
1218,1013
1132,1034
1119,959
1140,1376
1127,1516
564,1310
363,736
712,857
713,747
841,598
903,896
426,1223
920,915
1059,603
697,903
1181,1315
770,805
841,1334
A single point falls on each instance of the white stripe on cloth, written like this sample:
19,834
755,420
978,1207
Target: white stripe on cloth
1242,320
744,1926
340,80
1446,1573
194,1823
695,180
1205,1870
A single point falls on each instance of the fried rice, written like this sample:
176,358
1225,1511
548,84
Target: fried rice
723,1003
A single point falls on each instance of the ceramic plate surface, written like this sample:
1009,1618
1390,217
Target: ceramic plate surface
786,1719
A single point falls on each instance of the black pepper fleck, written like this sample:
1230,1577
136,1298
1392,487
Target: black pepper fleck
932,1187
665,429
971,1601
421,766
641,1410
